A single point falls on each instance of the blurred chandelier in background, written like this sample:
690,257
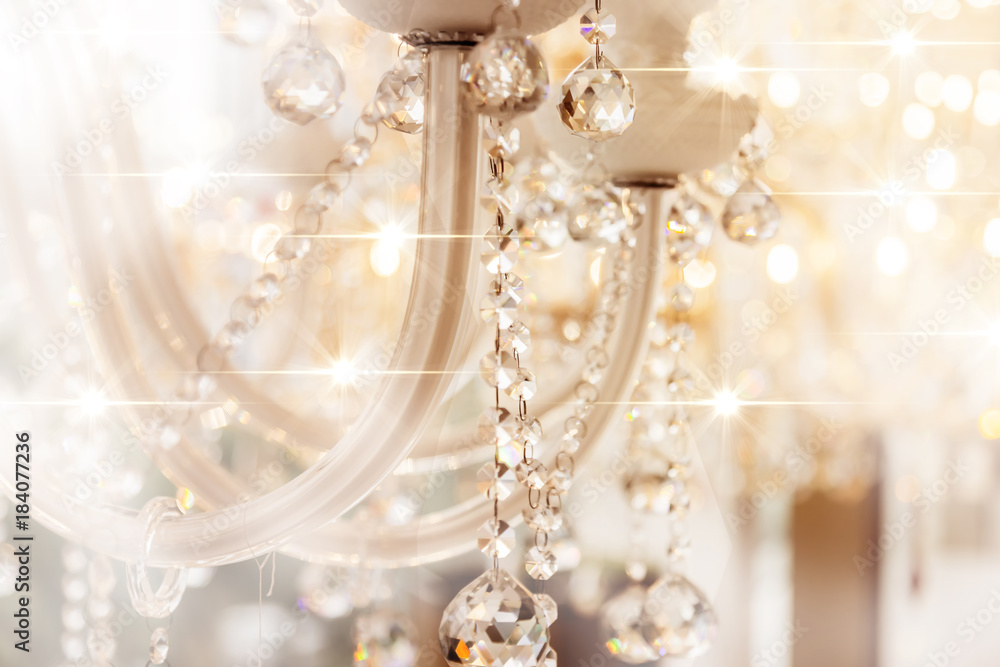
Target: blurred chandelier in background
250,347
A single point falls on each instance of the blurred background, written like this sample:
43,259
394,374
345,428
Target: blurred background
844,505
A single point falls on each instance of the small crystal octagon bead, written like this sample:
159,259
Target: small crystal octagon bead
597,27
496,538
540,563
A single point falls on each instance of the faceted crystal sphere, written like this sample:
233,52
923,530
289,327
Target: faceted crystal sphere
303,81
596,211
689,229
621,626
750,214
652,485
505,75
597,103
597,27
384,638
400,95
494,622
677,618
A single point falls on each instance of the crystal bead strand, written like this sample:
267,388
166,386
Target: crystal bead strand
101,639
496,621
74,592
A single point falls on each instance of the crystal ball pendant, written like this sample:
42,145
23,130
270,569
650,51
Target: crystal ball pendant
505,75
598,102
303,81
750,214
495,622
621,624
677,618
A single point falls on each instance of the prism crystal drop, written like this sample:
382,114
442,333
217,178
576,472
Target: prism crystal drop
494,622
303,81
677,618
597,103
400,95
621,627
505,75
597,27
689,229
750,214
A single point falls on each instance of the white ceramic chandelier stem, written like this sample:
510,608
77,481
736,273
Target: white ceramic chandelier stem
433,338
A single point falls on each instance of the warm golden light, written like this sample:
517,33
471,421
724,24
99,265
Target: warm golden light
699,273
782,264
892,256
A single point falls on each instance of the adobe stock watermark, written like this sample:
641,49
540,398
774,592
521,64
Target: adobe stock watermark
99,133
958,297
895,192
894,531
33,24
781,647
799,459
57,341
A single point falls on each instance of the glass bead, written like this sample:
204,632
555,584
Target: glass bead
523,385
385,638
651,486
531,474
244,309
499,369
291,247
545,519
500,249
750,214
597,27
496,538
621,627
496,480
323,197
678,620
303,81
529,432
400,95
159,646
540,563
232,335
561,481
355,153
515,338
596,211
682,297
502,306
266,288
598,103
689,229
211,358
679,336
506,138
505,74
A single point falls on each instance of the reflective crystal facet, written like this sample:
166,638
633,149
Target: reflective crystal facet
531,473
689,229
597,27
384,638
499,249
505,74
750,214
303,81
621,626
502,306
399,99
652,485
523,386
494,622
499,369
754,144
496,480
544,518
596,211
677,618
597,103
679,336
159,646
496,538
529,431
549,607
498,428
516,338
540,563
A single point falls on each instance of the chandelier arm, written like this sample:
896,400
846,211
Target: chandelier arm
451,532
437,327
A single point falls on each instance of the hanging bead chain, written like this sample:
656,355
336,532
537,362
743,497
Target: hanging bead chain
75,604
597,28
101,639
514,437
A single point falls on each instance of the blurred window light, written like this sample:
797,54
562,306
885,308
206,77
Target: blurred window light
921,214
783,88
873,88
891,256
987,107
928,88
782,264
941,169
989,79
957,92
903,43
918,121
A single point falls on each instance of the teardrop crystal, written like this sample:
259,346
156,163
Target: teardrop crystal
689,229
750,214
